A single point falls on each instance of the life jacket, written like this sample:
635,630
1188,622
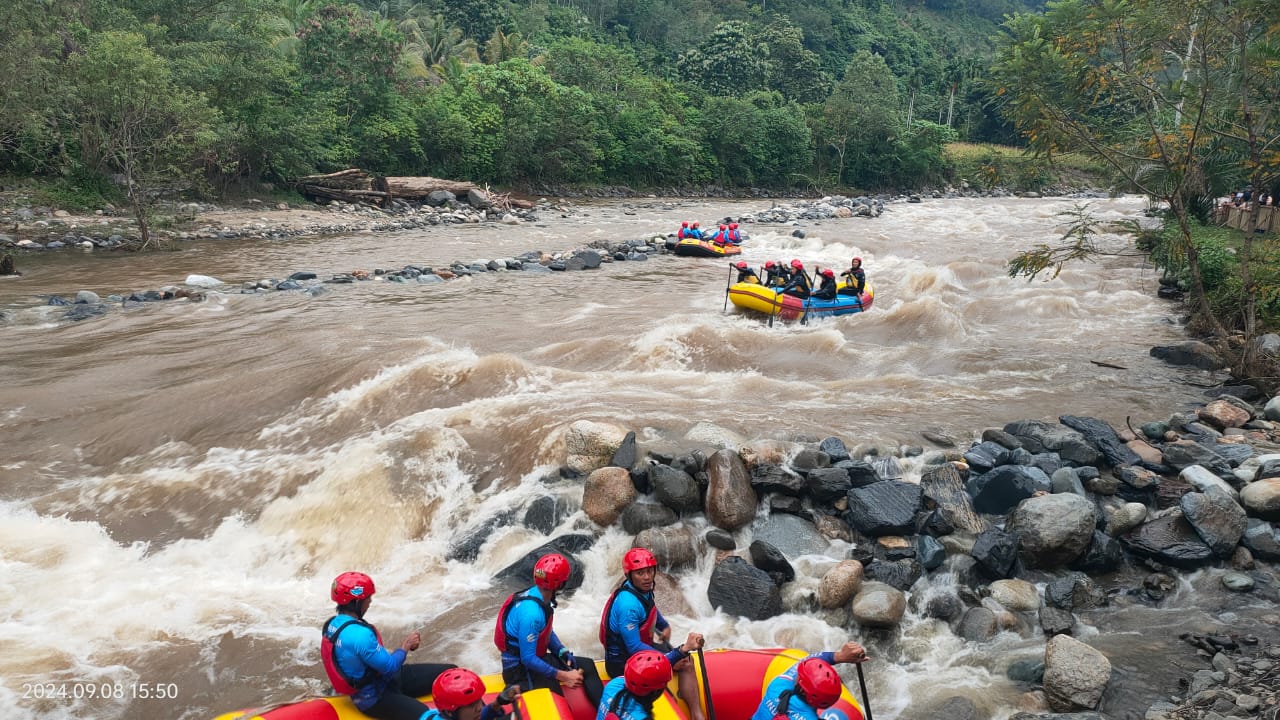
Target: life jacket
511,646
748,276
680,234
343,683
646,627
784,704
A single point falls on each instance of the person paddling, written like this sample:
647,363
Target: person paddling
798,284
532,654
808,687
856,277
631,621
379,682
745,273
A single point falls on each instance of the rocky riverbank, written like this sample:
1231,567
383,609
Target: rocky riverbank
1041,524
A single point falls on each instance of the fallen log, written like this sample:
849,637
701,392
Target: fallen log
352,179
419,187
368,197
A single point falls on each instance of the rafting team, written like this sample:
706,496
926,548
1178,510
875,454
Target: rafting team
383,686
793,280
725,233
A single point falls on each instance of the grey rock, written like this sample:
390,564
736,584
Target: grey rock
996,552
977,625
739,588
771,560
1170,540
885,508
720,539
639,516
1217,519
1037,436
1192,352
1263,540
675,488
1000,490
1103,437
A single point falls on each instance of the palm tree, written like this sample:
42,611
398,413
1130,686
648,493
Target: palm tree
432,44
288,21
502,46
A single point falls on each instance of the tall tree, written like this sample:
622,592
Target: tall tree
134,120
1103,78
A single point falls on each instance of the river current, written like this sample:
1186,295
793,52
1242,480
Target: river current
180,482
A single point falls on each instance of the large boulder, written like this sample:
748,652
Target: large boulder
607,492
1263,540
672,546
978,624
1075,675
885,508
590,445
793,535
1038,436
1103,556
731,503
944,487
1261,499
771,560
1103,437
996,552
1053,529
1223,414
840,584
675,488
1073,591
879,606
1170,540
640,516
738,588
1016,595
521,571
1191,352
826,485
1181,454
1217,519
1000,490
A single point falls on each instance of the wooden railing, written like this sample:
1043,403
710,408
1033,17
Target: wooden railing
1268,218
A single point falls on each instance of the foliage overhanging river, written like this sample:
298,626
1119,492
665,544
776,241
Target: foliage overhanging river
180,483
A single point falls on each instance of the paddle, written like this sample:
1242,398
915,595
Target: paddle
728,282
804,319
866,701
706,686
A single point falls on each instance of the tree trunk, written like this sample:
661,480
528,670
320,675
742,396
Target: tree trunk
911,107
352,179
951,103
420,187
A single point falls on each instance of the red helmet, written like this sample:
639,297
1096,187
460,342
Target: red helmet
722,226
647,672
733,226
819,683
684,224
640,558
856,260
455,688
741,264
551,572
770,264
351,586
695,224
828,273
797,264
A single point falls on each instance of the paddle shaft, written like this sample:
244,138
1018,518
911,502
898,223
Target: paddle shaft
706,686
804,319
866,701
727,283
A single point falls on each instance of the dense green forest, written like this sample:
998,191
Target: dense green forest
212,96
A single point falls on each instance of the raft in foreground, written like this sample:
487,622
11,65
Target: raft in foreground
738,679
758,298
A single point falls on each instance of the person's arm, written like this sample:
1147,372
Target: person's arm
373,654
694,642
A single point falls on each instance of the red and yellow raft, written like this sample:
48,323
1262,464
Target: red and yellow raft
734,683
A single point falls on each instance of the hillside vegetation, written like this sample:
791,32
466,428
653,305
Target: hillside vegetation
166,95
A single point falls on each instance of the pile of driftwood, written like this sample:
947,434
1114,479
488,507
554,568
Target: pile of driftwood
357,186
